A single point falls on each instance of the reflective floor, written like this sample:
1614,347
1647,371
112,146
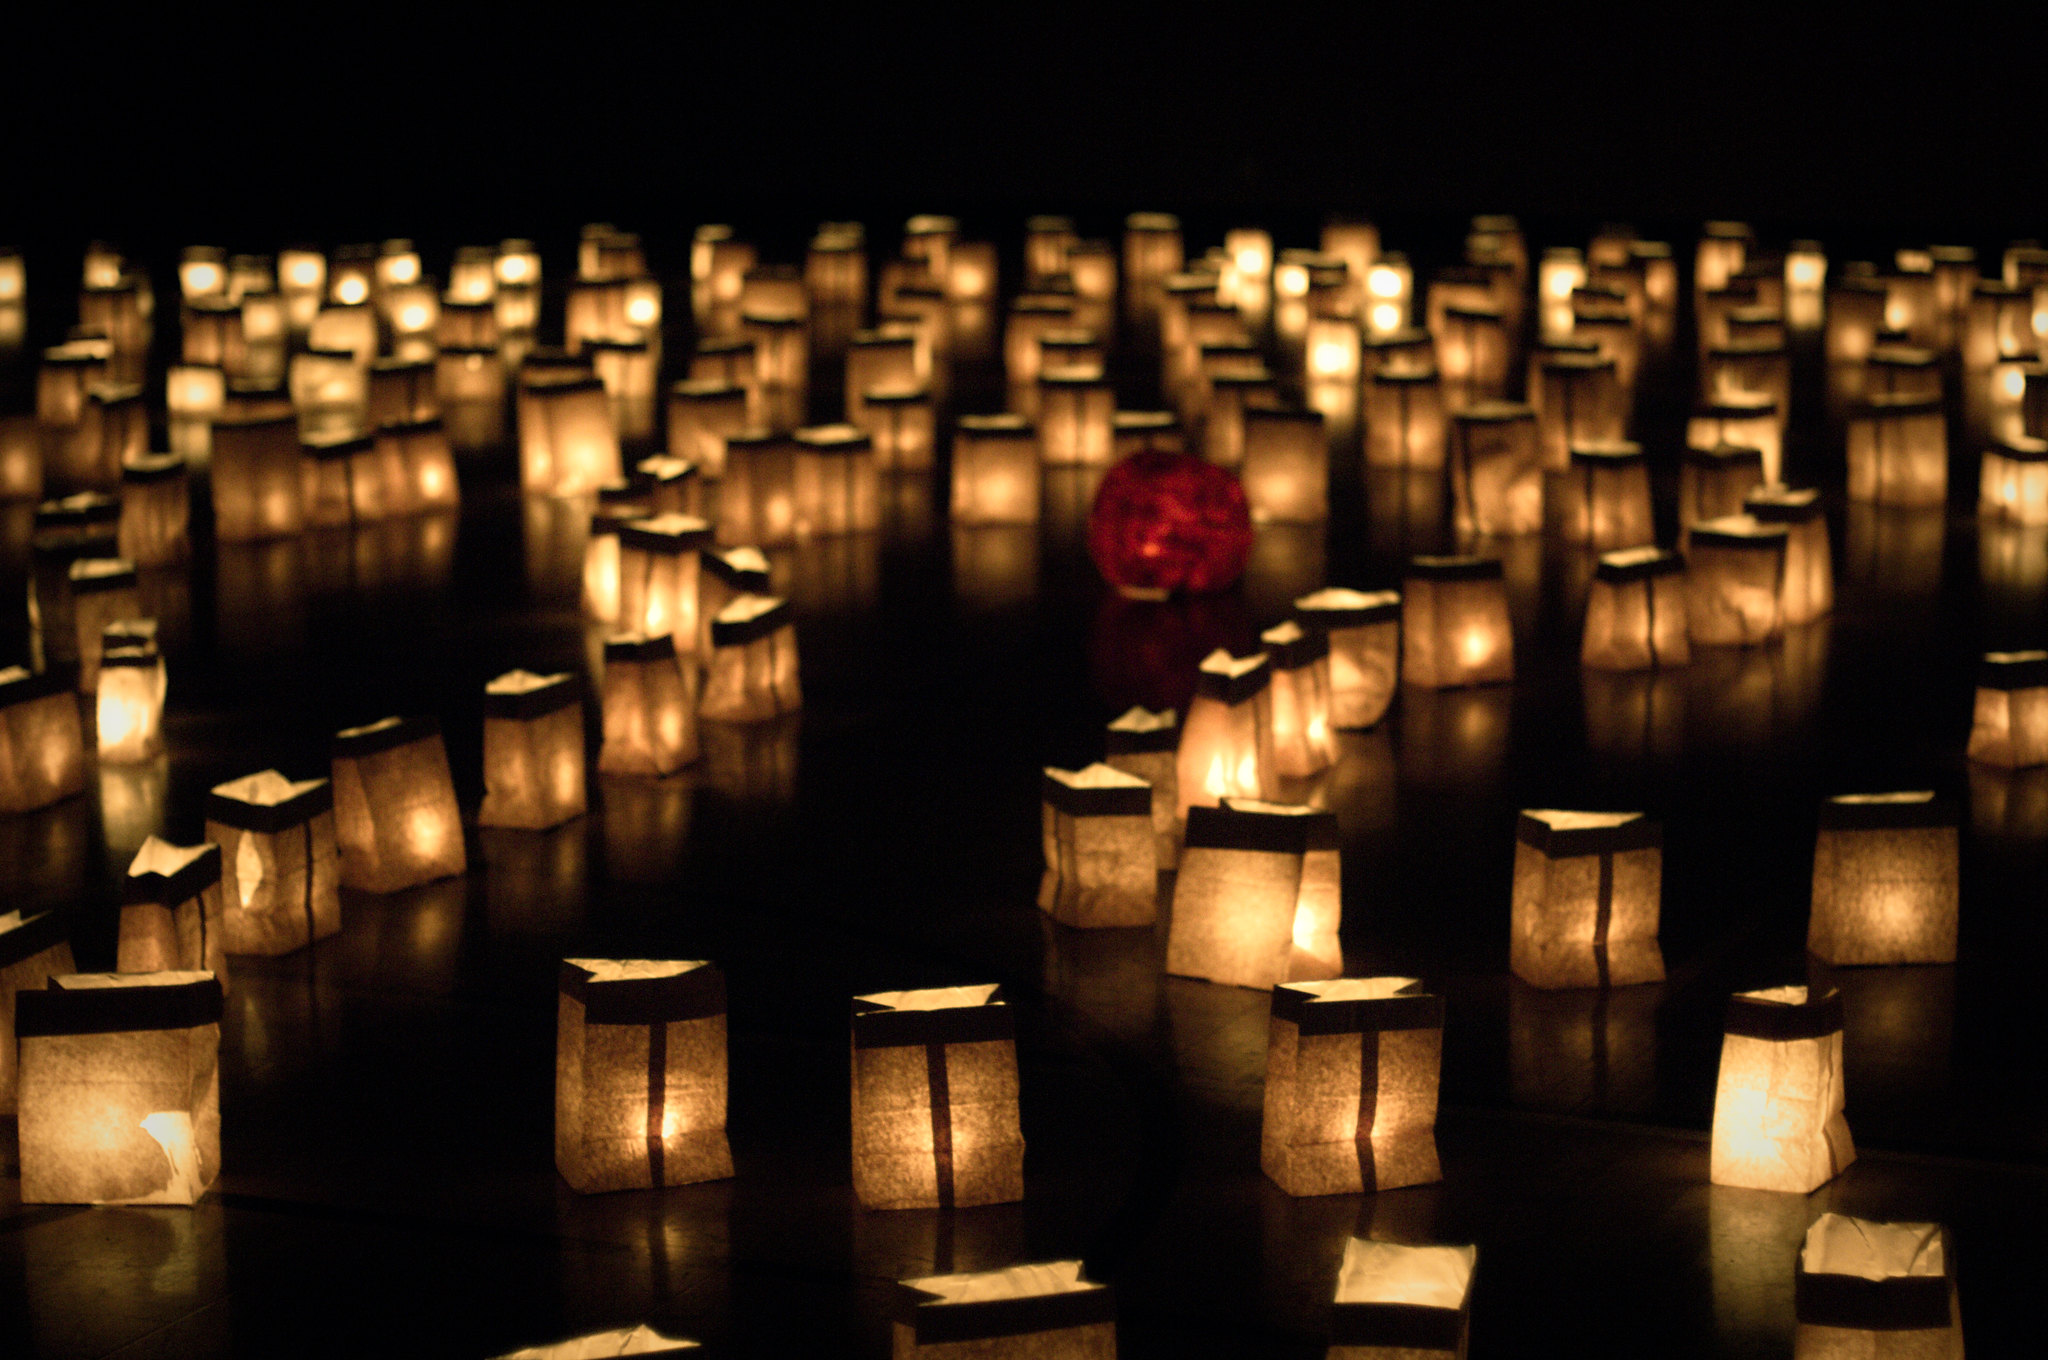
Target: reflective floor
389,1184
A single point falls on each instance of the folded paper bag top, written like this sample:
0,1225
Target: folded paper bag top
642,1340
935,998
627,970
1015,1282
162,858
266,788
1839,1245
1354,989
1386,1272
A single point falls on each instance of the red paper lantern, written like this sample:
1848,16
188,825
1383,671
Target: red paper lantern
1167,521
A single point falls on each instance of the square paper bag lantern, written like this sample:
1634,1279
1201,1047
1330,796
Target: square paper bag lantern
935,1123
1745,419
21,459
702,413
1898,452
1735,582
1304,738
995,471
156,510
1636,612
1364,629
568,442
838,482
904,427
879,361
1607,496
347,480
104,591
723,575
399,391
120,1088
533,751
280,866
601,557
637,1340
757,499
640,1074
394,806
650,726
1714,483
752,675
1884,880
130,700
1579,400
1865,1289
33,950
1397,1302
425,463
1101,868
1496,469
255,478
1778,1121
1404,419
42,742
171,911
2013,484
1286,470
673,486
2010,726
1351,1086
1587,895
1454,620
658,565
1143,744
1226,744
1031,1312
1257,898
1074,418
1809,582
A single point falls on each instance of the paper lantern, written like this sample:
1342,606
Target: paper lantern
1735,581
279,862
601,582
1043,1310
33,950
903,426
1389,294
255,478
1496,470
1715,482
1806,277
1454,621
1875,1289
640,1074
1286,469
650,726
1580,402
1472,354
1226,743
1257,899
723,575
104,591
1152,250
21,459
425,463
400,390
113,429
1404,419
1809,583
1998,322
533,751
757,499
1402,1303
1898,452
2010,725
1884,880
1101,867
171,911
658,577
672,486
1636,612
130,701
1074,410
347,478
1778,1121
1351,1086
156,511
752,675
1364,633
836,266
1895,370
330,392
1224,402
13,278
568,443
935,1122
42,746
1304,740
2013,484
395,816
1602,316
120,1088
1588,889
1607,498
1166,521
1143,431
1145,745
995,471
837,483
879,360
701,414
1855,315
637,1340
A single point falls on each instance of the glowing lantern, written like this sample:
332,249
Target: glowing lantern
424,463
1778,1121
156,511
1331,350
1144,744
1152,250
347,478
1588,889
1257,898
658,577
1715,482
1472,354
1364,634
1806,277
1352,1066
13,278
1884,880
171,911
1389,293
1074,418
935,1121
752,675
400,391
781,349
1229,397
33,950
1030,320
2010,725
1404,419
672,485
2014,481
1735,581
1809,582
650,727
1402,1303
533,751
723,575
883,360
466,377
1743,420
1875,1289
330,391
397,264
1141,431
568,442
113,429
21,459
279,866
302,280
104,591
757,499
1042,1311
1303,738
601,582
412,313
1902,371
702,414
1046,241
1562,270
995,471
120,1088
1607,502
836,267
1286,469
1759,365
343,329
255,478
42,745
1898,452
903,426
395,816
1226,744
1604,318
640,1074
130,702
1855,315
1496,469
1454,620
837,483
1101,868
1166,521
1636,612
1998,323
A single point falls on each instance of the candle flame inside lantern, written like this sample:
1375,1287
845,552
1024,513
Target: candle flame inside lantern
351,290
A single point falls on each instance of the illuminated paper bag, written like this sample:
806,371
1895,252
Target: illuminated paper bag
837,481
1286,471
757,499
995,471
1898,452
346,479
1607,497
1226,744
1713,483
1030,1312
601,583
1404,419
394,806
1258,897
280,866
640,1340
1587,894
568,443
33,950
1304,741
935,1123
658,577
130,701
701,414
1145,744
120,1088
640,1074
156,511
1455,622
104,591
1402,1303
533,751
1778,1121
650,726
1876,1291
1735,574
2010,725
1351,1086
255,478
1101,868
753,669
673,486
42,742
1808,589
1364,631
723,575
1496,469
2013,481
1636,612
171,911
1580,400
1884,880
424,461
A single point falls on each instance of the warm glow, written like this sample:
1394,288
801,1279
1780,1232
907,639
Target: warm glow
1215,784
302,271
2012,382
423,830
642,311
1804,271
412,317
1386,316
351,290
1291,280
1384,281
1474,646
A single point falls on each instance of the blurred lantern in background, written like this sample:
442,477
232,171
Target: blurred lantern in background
1636,616
171,911
1809,581
1144,744
1496,470
1588,892
131,694
752,671
42,746
1455,623
1303,738
1884,880
1364,631
2010,726
1257,900
1735,581
1607,497
650,724
533,751
395,815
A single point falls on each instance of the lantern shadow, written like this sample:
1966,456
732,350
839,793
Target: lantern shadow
1900,1028
120,1277
661,1252
534,880
2008,805
897,1244
836,575
752,765
1359,786
1454,738
1287,561
414,552
1217,1035
646,826
1746,697
403,939
995,566
1583,1050
1893,552
1111,977
131,804
1066,495
1635,717
1147,652
260,596
1753,1240
554,533
48,854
